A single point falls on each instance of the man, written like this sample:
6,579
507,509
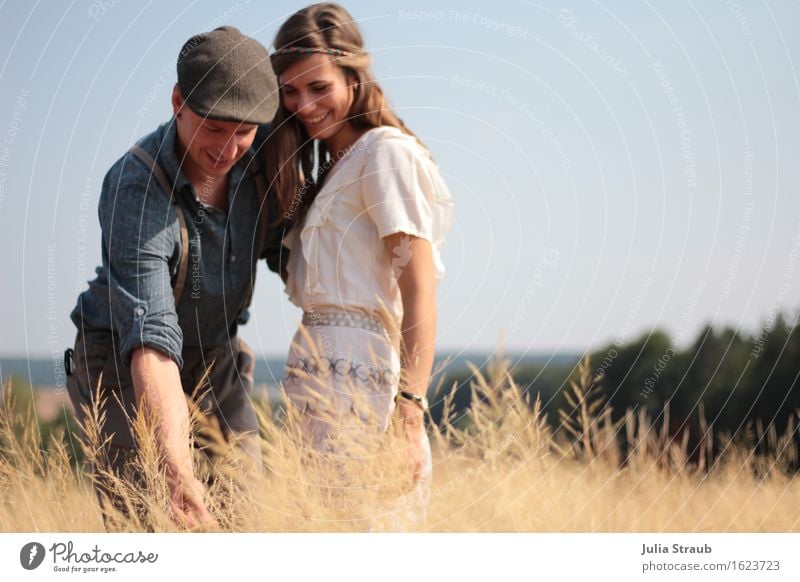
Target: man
184,217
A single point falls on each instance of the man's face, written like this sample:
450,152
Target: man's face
210,147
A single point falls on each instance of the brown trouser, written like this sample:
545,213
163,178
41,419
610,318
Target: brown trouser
224,396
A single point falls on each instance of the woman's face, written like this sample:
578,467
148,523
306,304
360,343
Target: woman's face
317,92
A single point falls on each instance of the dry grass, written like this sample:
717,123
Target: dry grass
507,472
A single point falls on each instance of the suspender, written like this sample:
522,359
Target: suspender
169,189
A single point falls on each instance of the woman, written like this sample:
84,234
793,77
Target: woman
371,213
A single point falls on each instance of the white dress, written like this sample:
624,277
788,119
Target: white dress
343,367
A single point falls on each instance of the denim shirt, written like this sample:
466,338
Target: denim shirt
130,302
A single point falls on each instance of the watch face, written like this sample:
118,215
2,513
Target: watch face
420,401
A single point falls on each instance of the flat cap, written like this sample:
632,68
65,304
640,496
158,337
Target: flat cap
226,75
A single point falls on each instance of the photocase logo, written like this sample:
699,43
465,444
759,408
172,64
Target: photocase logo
31,555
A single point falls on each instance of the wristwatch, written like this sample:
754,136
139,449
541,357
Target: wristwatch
417,399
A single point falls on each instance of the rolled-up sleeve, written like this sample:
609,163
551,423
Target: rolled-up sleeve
141,238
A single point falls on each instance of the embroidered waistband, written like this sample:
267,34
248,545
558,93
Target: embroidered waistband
348,319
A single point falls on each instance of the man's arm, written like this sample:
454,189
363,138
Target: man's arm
140,238
276,226
159,394
274,252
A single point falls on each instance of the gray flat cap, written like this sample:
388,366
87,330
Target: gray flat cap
226,75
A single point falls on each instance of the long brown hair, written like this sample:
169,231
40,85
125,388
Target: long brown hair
291,154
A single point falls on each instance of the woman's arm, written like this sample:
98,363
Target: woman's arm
414,268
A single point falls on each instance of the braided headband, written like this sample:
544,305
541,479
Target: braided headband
307,50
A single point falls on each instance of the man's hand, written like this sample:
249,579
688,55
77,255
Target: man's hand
186,504
158,388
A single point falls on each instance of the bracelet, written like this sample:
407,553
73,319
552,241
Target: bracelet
417,399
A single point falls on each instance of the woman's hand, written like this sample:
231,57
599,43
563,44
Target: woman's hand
414,432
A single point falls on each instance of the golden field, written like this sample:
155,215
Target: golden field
503,470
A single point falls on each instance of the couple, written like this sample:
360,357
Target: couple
295,158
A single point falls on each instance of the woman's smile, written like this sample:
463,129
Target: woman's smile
315,120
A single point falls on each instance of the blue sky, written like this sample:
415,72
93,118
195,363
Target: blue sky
616,167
